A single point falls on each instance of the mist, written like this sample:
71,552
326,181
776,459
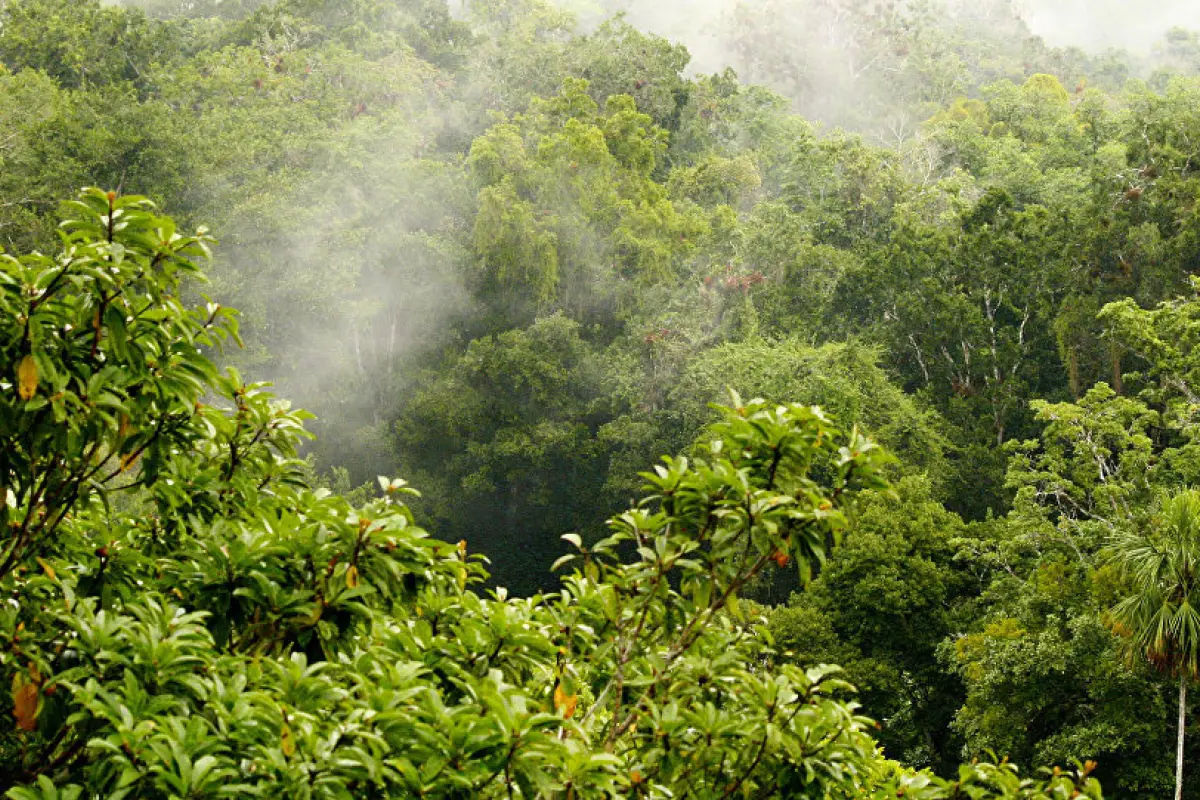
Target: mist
1135,25
705,25
826,58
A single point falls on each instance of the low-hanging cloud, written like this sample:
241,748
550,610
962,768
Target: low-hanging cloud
848,64
1097,24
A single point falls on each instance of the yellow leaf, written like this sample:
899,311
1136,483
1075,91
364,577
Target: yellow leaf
462,548
731,605
565,703
25,702
352,577
287,741
49,569
27,378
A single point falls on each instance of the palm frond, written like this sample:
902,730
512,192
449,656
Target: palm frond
1160,618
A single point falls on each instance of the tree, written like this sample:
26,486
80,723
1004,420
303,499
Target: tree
83,44
881,608
171,9
570,216
506,443
1160,617
1041,665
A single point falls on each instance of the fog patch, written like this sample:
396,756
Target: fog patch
1099,24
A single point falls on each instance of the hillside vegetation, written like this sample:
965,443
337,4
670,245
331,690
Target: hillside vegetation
517,252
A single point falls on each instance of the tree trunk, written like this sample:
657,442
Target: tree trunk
1118,384
1073,371
1179,750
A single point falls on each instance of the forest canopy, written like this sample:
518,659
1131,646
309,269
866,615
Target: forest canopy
517,253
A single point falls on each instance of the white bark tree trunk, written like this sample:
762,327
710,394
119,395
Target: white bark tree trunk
1179,749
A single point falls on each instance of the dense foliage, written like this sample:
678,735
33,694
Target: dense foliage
514,251
191,619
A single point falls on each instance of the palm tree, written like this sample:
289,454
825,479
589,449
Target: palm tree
1160,618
